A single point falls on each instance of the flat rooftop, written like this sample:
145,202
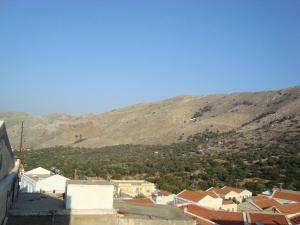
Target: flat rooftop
89,182
166,212
43,205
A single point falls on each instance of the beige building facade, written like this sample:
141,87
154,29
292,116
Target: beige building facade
133,188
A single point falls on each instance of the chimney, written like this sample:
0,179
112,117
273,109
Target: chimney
185,209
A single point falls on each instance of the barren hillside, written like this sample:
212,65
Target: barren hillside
269,114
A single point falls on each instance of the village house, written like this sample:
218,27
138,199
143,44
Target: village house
42,180
163,197
255,218
291,210
217,217
258,203
207,199
232,193
229,205
133,188
286,196
213,217
9,169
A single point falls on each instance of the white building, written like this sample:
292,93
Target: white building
163,197
42,180
208,199
9,168
231,193
86,195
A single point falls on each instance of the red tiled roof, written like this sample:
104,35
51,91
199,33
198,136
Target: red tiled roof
218,191
228,202
139,200
287,195
217,216
196,196
289,208
265,203
225,190
295,220
267,219
204,222
229,189
164,193
259,197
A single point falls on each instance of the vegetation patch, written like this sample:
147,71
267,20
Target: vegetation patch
179,166
201,112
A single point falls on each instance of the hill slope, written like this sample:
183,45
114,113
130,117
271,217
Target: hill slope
259,116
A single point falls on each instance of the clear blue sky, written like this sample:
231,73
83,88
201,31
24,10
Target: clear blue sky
93,56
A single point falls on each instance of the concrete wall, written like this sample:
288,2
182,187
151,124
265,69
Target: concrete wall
79,196
92,220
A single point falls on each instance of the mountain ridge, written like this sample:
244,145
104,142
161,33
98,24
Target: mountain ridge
161,122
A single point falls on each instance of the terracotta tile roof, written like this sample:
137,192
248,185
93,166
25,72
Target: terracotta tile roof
205,222
259,197
218,191
229,189
225,190
267,219
217,216
227,202
287,195
289,208
265,203
139,200
164,193
295,220
196,196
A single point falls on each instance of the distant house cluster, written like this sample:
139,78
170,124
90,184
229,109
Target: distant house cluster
216,205
281,207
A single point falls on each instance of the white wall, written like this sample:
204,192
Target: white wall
210,202
55,183
80,196
164,200
27,184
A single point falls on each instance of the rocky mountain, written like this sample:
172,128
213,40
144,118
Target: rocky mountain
252,117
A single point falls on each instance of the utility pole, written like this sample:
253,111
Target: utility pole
21,141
